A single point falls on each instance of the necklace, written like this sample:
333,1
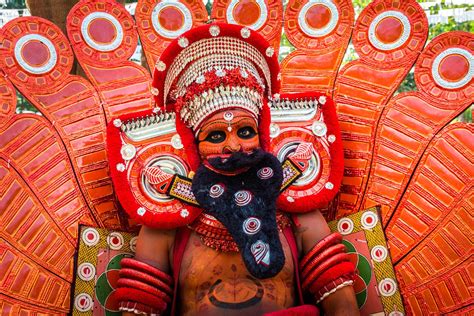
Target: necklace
214,234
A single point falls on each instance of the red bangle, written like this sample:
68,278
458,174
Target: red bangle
123,294
338,258
324,255
342,270
144,267
146,278
130,283
334,238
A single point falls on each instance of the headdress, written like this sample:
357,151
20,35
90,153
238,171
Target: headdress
215,67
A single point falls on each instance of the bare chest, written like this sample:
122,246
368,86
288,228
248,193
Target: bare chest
218,283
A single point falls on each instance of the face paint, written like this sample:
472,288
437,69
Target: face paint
226,133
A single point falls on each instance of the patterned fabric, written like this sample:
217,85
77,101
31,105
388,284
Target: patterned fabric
97,270
375,284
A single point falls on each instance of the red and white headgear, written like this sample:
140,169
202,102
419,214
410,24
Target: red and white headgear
215,67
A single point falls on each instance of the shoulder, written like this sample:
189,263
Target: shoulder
154,246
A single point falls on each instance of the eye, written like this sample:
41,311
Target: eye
246,132
215,137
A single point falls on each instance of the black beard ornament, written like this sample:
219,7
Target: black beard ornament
246,205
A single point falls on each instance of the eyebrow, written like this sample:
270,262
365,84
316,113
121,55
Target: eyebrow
223,123
226,123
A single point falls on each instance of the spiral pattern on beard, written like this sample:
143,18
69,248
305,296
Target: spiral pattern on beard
265,173
216,190
251,226
242,198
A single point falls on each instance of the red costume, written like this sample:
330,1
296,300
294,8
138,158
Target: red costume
235,180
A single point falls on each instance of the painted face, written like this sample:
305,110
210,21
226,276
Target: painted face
228,132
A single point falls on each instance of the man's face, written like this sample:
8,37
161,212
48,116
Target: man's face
228,132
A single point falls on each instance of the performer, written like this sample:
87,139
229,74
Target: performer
240,255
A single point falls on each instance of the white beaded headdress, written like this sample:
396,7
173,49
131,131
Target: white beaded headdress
215,67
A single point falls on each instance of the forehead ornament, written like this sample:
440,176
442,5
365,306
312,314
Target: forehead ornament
228,116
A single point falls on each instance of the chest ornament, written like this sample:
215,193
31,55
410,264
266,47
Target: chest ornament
214,235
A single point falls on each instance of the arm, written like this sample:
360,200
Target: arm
312,229
154,249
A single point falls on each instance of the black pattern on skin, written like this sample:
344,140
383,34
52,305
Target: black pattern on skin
262,206
247,303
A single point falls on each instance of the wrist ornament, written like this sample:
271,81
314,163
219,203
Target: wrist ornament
326,268
142,288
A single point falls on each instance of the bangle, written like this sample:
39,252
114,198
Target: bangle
326,242
344,270
324,255
333,261
130,283
145,278
144,267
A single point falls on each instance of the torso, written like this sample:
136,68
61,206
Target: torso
218,283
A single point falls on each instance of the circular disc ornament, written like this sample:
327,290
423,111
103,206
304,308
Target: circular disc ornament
345,226
44,59
389,30
251,13
90,236
170,19
115,241
34,52
159,22
318,18
387,287
445,69
86,271
133,243
101,31
379,253
453,68
318,23
368,220
390,34
83,302
264,16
